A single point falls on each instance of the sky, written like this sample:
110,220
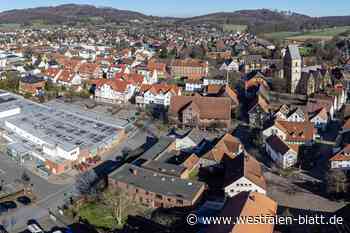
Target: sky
186,8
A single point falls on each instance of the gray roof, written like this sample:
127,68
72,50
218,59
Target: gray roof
294,52
57,127
164,168
156,182
162,144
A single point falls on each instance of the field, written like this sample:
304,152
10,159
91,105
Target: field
9,26
321,34
234,27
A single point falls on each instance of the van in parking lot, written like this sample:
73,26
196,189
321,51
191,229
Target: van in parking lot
33,228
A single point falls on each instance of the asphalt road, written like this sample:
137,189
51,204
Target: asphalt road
50,195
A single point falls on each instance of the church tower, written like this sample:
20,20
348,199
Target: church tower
292,68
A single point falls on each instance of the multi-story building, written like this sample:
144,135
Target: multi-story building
113,91
155,189
195,111
190,68
158,94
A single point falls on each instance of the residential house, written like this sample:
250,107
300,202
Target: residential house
31,84
243,174
243,205
190,68
341,160
229,66
89,70
194,139
282,154
193,85
68,78
113,91
258,112
194,111
290,113
228,145
292,132
159,94
158,66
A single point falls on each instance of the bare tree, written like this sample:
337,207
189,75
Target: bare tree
336,181
120,204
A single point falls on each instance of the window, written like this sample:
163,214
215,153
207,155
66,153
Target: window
178,201
159,196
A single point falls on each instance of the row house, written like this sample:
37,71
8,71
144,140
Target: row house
299,133
159,66
190,68
113,91
230,65
89,70
159,94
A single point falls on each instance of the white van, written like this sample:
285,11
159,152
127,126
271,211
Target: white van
33,228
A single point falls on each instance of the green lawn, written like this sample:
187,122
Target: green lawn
280,35
97,215
193,174
234,27
313,34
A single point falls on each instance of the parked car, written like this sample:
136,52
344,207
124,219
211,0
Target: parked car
34,228
24,200
9,205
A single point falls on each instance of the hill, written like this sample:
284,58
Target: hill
264,20
258,21
69,13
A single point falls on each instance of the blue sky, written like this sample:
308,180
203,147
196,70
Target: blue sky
184,8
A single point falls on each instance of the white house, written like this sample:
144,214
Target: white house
282,154
113,91
230,65
157,94
320,119
341,160
292,132
243,174
193,85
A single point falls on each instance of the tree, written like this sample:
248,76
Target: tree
336,182
120,205
85,184
25,178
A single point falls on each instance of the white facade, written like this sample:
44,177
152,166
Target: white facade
48,148
106,93
282,160
193,86
344,165
242,185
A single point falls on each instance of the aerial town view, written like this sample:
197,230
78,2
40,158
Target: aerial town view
174,116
